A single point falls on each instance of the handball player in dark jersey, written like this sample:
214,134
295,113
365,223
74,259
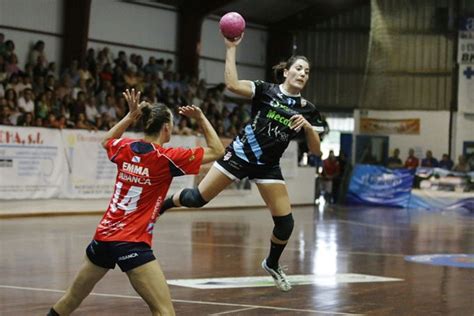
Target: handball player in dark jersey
144,173
278,115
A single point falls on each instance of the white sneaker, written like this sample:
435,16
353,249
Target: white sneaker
279,277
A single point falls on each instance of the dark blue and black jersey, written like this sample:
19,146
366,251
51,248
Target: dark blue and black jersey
264,139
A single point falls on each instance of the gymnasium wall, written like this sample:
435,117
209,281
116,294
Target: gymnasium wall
434,131
131,27
26,22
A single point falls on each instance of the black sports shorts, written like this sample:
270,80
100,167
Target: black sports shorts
237,169
128,255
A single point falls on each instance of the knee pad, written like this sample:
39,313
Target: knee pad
283,226
191,198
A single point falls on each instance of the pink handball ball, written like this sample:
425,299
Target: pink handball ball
232,25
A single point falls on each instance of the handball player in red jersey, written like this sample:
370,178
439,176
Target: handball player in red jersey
144,173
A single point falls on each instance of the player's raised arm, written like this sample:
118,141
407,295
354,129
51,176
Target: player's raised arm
232,82
214,149
133,99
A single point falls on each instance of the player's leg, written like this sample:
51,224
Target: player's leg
216,180
150,283
86,279
276,198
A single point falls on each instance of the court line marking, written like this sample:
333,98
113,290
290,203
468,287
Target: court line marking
247,306
233,311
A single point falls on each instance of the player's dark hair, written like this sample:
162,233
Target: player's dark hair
154,116
279,68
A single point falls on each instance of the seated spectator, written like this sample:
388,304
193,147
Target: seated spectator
462,165
429,160
412,161
12,65
91,109
40,67
26,119
38,52
24,83
183,127
13,84
394,161
3,70
9,49
10,98
25,102
4,114
2,44
38,122
51,121
446,162
81,122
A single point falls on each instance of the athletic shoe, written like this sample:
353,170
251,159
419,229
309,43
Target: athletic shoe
279,277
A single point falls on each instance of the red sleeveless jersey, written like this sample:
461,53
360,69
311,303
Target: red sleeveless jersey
144,174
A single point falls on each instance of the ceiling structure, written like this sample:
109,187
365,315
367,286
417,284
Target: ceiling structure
293,14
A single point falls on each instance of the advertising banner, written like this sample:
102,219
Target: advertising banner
32,163
90,172
466,88
384,127
375,185
466,41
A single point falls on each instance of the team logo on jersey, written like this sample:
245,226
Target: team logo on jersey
303,102
227,156
136,159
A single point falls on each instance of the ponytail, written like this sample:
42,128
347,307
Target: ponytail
154,116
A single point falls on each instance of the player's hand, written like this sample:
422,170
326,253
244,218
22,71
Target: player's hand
235,42
133,99
297,122
191,111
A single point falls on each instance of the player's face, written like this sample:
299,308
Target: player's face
298,74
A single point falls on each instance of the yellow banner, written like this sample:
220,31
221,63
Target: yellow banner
382,126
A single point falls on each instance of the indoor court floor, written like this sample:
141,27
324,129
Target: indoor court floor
346,261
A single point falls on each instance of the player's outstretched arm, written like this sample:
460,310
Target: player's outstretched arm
214,149
232,82
133,99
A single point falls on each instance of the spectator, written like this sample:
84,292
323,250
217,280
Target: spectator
39,85
24,83
37,53
2,44
429,160
9,49
11,98
446,162
412,161
3,70
183,127
26,119
12,65
395,161
91,109
51,121
25,102
462,165
38,122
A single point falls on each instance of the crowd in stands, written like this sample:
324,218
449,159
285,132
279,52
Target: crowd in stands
413,162
87,94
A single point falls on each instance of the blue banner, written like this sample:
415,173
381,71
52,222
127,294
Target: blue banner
375,185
